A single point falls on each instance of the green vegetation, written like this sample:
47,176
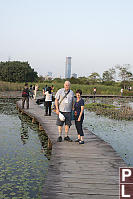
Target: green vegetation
14,74
94,106
128,93
86,89
122,113
17,71
8,86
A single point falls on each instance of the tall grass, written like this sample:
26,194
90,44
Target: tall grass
101,89
86,89
8,86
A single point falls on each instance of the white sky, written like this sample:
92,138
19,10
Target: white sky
98,34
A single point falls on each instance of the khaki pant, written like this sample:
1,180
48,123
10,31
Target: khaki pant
27,102
35,93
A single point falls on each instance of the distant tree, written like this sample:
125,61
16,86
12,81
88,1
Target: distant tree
58,80
17,71
74,80
112,71
41,78
83,80
108,75
124,74
94,77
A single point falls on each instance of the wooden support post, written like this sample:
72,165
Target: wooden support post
17,107
49,144
40,127
33,120
22,112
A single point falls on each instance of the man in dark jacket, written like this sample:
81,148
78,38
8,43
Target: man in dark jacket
25,96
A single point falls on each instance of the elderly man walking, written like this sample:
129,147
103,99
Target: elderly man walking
64,101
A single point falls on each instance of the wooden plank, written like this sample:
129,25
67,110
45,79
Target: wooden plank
78,171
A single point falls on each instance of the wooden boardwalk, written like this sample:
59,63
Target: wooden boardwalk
78,171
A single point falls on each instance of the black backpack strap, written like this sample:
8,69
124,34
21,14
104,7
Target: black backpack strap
64,97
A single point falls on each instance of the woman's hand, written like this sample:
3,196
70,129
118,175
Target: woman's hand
79,118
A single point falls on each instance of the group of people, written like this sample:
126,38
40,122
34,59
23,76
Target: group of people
65,105
33,91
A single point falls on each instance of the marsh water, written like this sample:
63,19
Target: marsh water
118,133
23,155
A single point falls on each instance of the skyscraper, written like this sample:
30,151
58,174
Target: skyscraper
68,67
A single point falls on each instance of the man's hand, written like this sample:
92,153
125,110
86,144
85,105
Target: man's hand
57,106
57,112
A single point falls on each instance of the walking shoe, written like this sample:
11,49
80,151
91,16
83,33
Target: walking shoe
77,140
67,138
81,142
59,139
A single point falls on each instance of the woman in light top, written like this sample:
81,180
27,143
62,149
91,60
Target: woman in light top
35,91
48,101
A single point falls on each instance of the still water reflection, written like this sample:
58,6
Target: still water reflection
117,133
23,155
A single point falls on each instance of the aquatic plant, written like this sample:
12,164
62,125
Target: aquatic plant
23,163
120,113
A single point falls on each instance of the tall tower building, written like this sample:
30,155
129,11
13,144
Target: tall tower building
68,67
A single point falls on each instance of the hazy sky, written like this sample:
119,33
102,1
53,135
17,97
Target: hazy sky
98,34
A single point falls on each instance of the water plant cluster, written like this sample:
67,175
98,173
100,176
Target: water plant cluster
123,112
23,155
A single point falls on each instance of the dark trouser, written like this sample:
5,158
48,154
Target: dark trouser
79,128
48,107
27,102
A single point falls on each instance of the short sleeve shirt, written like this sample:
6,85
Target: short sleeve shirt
77,108
48,97
66,104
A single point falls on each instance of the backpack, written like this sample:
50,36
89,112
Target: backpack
24,93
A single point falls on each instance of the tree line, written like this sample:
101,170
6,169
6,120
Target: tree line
108,78
16,71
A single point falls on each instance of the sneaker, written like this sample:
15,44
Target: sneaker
59,139
77,140
67,138
81,142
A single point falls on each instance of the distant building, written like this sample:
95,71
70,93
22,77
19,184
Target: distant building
74,75
50,74
68,67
